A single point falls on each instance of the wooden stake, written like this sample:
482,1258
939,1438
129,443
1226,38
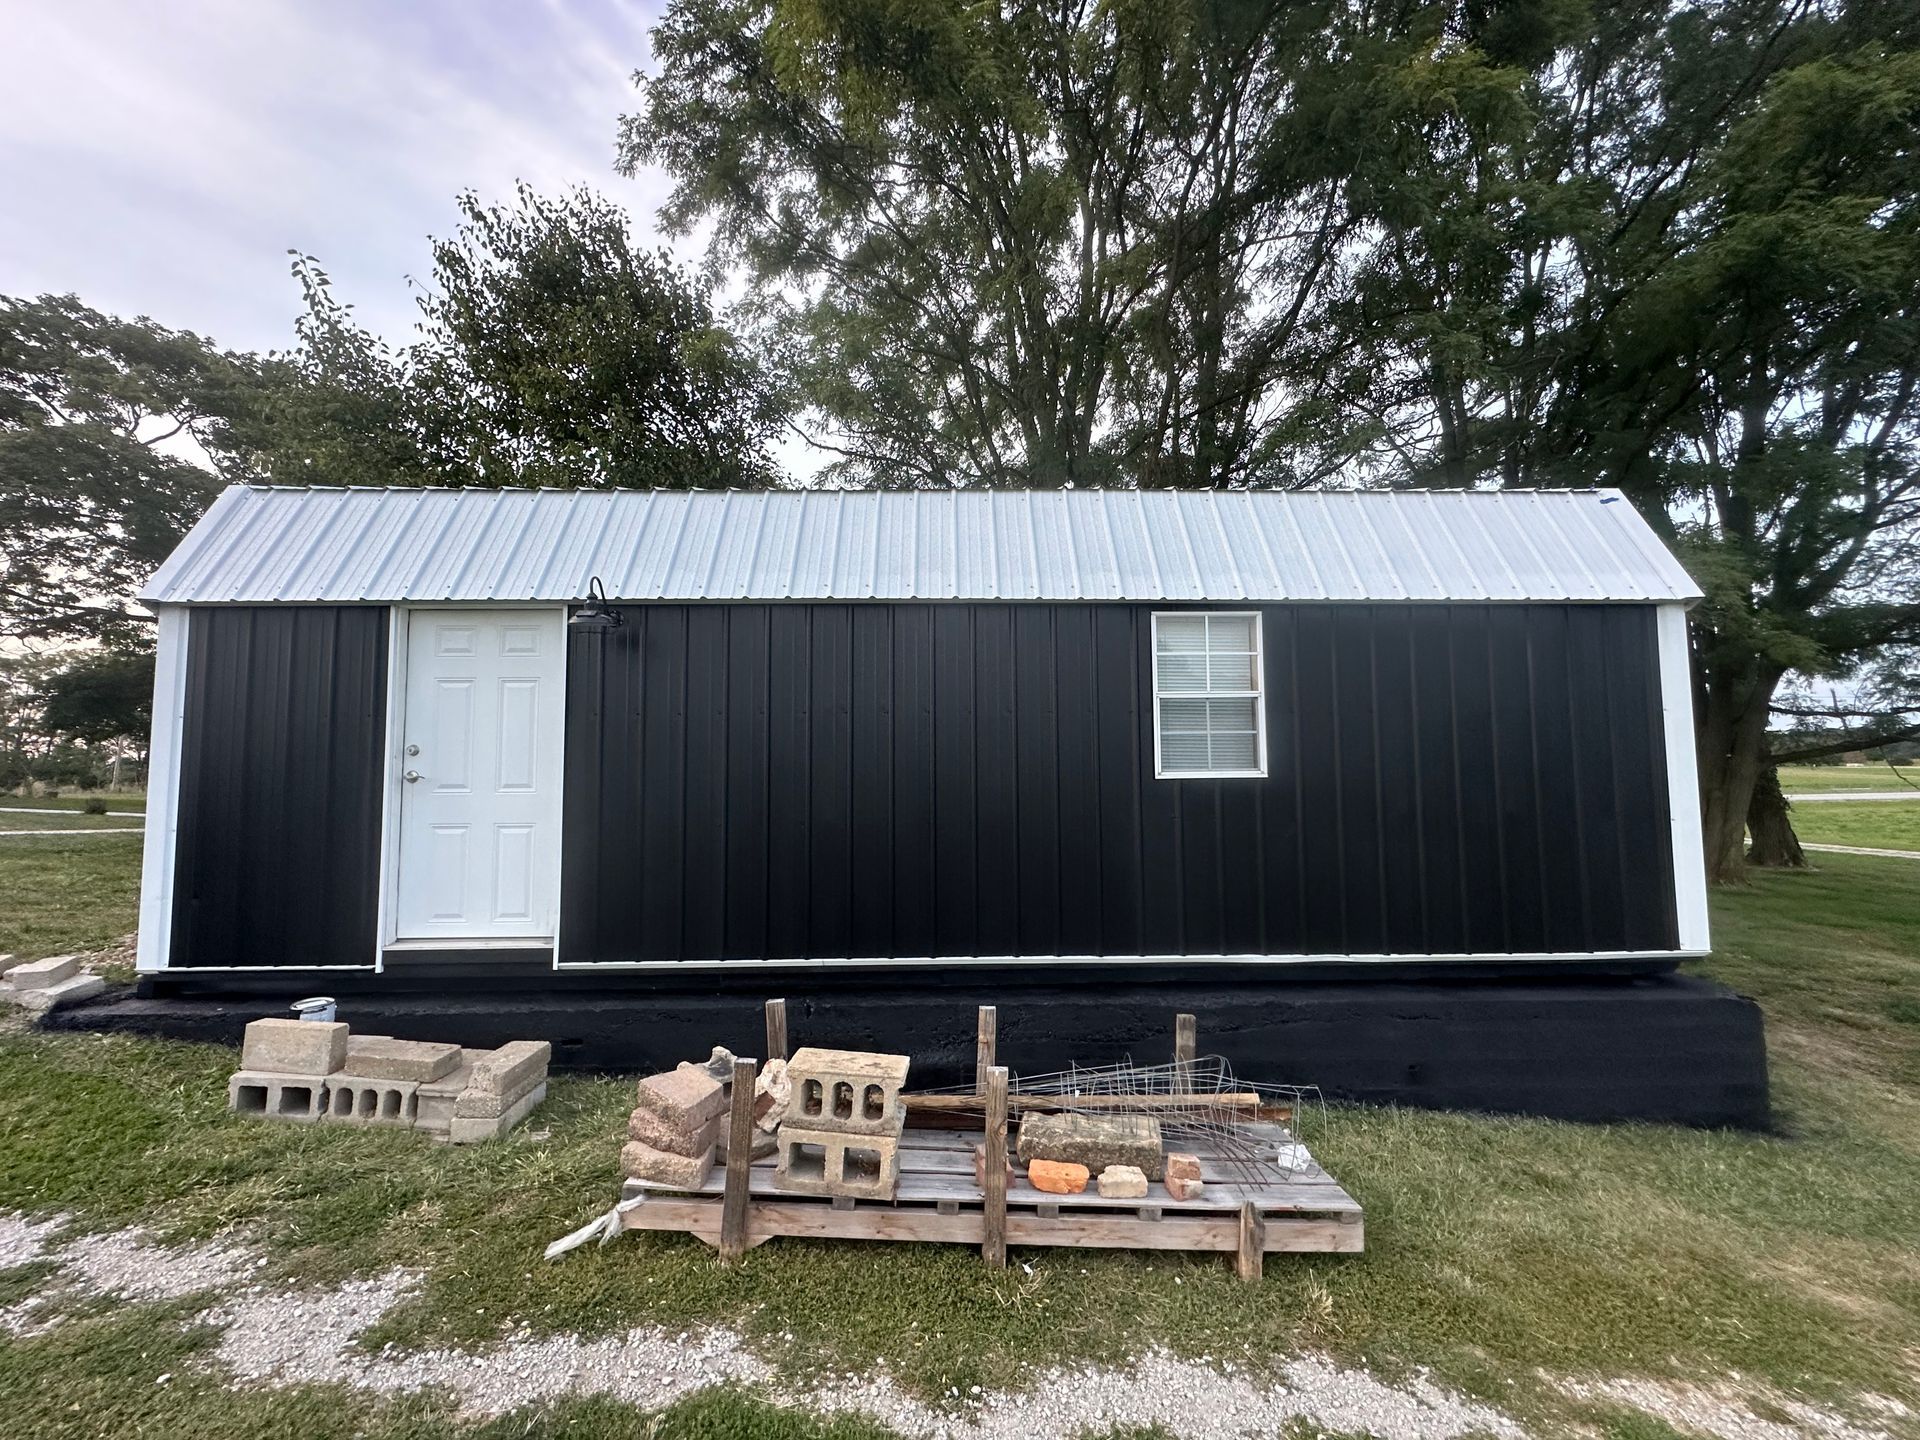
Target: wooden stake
986,1040
733,1213
1185,1039
1253,1244
776,1029
994,1249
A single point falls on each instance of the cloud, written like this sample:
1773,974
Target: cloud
162,159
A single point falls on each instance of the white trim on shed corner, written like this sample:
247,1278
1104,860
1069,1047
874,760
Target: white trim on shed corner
1683,780
163,788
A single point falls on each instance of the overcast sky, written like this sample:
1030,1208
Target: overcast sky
162,156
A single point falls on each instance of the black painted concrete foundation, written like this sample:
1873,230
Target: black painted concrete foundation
1662,1048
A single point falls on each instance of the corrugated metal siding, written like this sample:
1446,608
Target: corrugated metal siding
278,860
261,544
828,781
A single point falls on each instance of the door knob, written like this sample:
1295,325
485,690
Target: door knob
411,776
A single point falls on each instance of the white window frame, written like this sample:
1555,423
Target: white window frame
1259,697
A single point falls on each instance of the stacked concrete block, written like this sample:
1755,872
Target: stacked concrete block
841,1135
40,985
672,1131
503,1087
318,1071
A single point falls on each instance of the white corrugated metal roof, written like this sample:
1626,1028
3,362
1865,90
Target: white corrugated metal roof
260,544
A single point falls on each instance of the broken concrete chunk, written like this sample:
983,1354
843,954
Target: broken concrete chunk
772,1093
640,1161
1057,1177
294,1047
39,974
377,1057
719,1064
1123,1182
1095,1141
80,987
1181,1187
687,1098
661,1133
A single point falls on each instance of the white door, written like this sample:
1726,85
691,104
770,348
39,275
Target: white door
480,796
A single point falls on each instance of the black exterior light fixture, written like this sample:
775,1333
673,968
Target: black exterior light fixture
596,616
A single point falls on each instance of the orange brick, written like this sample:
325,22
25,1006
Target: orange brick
1057,1177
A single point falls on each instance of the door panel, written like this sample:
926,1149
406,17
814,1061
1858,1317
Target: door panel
480,825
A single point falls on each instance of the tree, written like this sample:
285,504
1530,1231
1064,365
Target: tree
100,697
552,351
114,436
1033,243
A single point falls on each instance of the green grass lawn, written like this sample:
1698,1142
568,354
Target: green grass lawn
1497,1248
1803,778
130,800
1877,824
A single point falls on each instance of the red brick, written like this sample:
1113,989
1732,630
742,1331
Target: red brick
1057,1177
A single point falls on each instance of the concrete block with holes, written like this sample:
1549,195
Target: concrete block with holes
853,1091
360,1100
833,1162
270,1095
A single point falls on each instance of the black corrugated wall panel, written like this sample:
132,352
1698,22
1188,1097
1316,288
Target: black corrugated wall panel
277,858
879,780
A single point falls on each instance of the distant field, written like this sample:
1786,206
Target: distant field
1803,778
1876,824
69,804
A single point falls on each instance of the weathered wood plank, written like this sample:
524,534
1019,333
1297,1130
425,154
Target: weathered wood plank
776,1029
1238,1101
1186,1031
986,1043
733,1226
1253,1244
993,1247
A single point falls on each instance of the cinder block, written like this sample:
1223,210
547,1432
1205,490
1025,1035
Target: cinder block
686,1098
847,1090
377,1057
273,1096
466,1130
640,1161
80,987
295,1047
832,1162
508,1072
39,974
434,1101
354,1100
662,1134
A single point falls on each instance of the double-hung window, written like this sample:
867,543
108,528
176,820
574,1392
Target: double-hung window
1208,717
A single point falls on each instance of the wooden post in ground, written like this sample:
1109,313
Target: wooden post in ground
1253,1243
986,1041
733,1209
994,1249
1186,1032
776,1029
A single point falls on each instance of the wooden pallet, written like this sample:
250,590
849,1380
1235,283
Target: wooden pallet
1237,1214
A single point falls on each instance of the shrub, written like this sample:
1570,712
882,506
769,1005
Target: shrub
94,806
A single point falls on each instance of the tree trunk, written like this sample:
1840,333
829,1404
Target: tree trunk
1768,822
1732,737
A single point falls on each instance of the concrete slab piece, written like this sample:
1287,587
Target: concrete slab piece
294,1047
80,987
39,974
511,1069
686,1098
379,1057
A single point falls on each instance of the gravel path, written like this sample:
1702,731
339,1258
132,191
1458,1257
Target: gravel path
271,1336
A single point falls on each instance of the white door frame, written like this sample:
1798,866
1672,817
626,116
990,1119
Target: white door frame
387,931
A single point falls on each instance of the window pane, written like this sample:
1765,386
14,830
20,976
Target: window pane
1231,715
1235,751
1188,715
1229,632
1183,674
1181,632
1183,752
1230,672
